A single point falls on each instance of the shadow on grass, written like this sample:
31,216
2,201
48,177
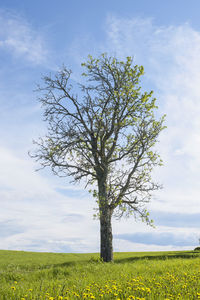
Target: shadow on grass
65,264
186,255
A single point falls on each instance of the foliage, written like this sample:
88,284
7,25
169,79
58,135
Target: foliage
153,275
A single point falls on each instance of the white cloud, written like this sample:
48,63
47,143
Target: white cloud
171,57
33,215
20,39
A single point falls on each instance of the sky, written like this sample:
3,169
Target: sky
41,212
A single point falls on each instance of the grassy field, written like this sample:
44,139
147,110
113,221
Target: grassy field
51,276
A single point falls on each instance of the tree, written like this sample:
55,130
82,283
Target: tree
106,135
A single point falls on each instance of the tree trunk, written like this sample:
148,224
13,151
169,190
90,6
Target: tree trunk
106,235
105,220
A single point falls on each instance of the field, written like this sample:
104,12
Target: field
51,276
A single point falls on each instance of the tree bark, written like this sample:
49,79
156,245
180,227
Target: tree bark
106,235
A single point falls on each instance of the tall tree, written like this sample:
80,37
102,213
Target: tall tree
105,135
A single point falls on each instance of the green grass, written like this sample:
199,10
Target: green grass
144,275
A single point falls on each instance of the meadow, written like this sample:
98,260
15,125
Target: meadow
139,276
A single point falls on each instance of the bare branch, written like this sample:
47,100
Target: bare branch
105,133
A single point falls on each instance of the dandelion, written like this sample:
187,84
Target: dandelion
85,295
148,290
13,288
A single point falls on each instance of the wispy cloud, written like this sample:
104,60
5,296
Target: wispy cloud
160,239
19,38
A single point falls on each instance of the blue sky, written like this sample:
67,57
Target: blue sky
40,212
